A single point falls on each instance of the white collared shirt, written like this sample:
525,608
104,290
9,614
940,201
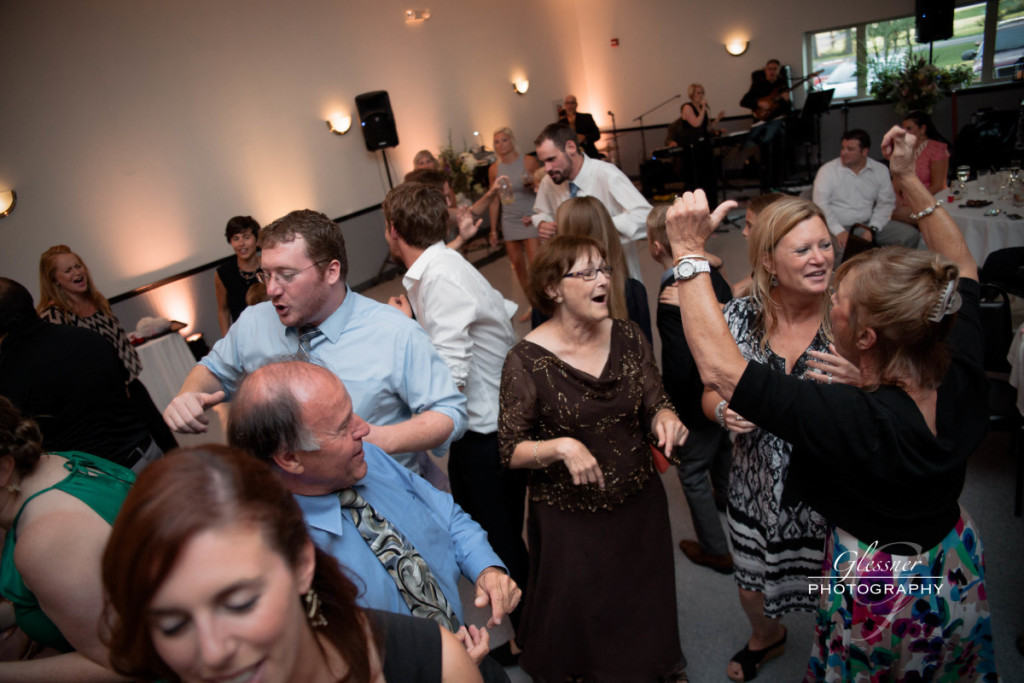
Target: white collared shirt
847,197
468,322
610,186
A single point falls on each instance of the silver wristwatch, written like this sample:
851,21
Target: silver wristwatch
688,268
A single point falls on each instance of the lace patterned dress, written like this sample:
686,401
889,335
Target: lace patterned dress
601,602
775,546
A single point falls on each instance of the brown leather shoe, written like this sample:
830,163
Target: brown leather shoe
720,563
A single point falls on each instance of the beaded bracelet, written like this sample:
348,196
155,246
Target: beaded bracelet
720,413
536,445
925,212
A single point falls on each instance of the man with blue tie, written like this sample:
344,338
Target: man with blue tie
570,173
396,379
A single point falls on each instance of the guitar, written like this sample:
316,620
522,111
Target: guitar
767,105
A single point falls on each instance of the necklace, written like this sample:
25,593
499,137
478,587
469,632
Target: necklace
249,276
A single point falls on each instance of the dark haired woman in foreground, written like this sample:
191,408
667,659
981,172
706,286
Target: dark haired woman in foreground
56,510
885,463
211,574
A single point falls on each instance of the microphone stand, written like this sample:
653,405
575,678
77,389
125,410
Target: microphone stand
615,140
643,140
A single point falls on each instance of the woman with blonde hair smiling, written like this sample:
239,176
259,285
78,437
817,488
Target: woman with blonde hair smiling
67,296
902,583
776,544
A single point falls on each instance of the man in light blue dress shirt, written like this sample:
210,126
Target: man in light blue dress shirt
298,417
397,381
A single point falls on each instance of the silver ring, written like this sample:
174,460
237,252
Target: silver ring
830,378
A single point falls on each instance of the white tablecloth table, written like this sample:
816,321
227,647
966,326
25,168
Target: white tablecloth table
985,234
166,362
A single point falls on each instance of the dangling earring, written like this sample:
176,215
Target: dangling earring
775,281
13,488
313,609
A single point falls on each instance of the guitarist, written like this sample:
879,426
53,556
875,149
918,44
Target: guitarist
768,95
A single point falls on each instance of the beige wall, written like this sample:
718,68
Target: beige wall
133,130
664,45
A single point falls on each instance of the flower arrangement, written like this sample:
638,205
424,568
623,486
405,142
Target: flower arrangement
459,166
913,83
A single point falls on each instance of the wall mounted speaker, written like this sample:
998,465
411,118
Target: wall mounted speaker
376,120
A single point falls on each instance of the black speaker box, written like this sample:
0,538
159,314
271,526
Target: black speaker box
376,120
934,20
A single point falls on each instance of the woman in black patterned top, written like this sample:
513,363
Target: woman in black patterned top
581,400
783,324
67,296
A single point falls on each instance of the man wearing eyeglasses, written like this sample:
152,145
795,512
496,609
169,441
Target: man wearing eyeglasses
398,382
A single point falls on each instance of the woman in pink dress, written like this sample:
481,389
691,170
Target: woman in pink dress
931,160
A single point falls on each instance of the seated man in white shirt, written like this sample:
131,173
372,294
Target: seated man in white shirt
468,322
855,191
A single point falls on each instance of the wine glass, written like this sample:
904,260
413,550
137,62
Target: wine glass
505,191
962,174
984,184
1004,181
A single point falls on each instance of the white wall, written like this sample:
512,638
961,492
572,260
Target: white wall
664,45
133,130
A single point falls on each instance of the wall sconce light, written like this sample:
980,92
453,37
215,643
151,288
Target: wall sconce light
8,198
339,124
416,16
520,85
737,46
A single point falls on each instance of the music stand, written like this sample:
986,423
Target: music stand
816,104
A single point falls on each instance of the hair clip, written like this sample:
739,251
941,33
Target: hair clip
949,302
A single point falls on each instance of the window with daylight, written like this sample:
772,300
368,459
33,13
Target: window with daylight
849,57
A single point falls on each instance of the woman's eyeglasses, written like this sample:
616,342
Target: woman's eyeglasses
588,274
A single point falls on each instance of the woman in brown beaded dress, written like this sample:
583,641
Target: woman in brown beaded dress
581,399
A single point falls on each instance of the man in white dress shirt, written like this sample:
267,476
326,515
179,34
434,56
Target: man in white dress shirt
468,322
856,191
570,173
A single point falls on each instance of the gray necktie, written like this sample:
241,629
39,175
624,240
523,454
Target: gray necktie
307,333
574,189
403,563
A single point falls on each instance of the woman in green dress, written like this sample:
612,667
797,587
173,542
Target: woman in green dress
56,510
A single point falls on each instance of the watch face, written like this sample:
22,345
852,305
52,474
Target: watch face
686,270
689,268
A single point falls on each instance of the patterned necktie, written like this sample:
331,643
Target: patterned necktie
307,333
574,189
407,567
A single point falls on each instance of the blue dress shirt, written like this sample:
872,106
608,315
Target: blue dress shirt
386,360
447,538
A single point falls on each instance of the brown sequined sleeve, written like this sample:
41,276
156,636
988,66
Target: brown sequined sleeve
655,399
518,412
